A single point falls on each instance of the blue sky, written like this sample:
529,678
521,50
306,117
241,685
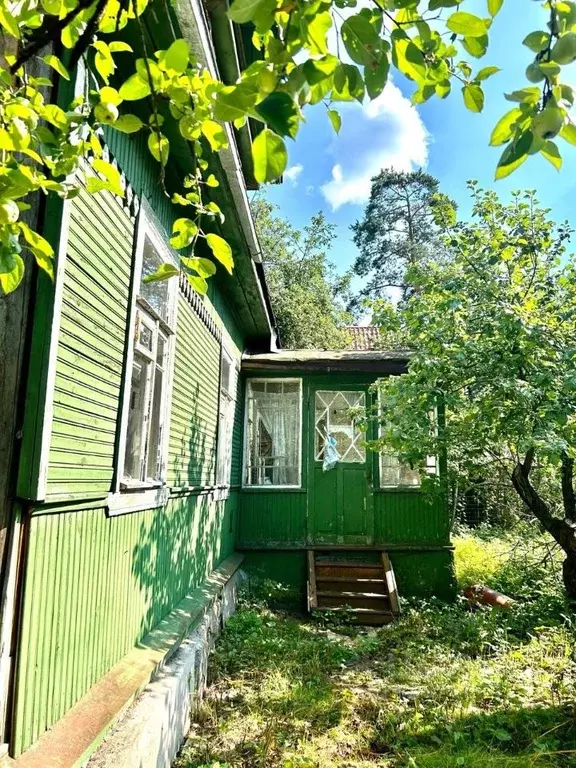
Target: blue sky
331,173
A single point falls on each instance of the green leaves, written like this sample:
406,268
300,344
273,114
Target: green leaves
204,267
221,250
466,24
280,112
112,179
215,135
11,268
335,120
504,128
56,64
536,41
185,231
177,56
134,89
473,97
494,7
164,272
246,10
159,147
551,153
360,39
568,133
128,124
269,156
514,155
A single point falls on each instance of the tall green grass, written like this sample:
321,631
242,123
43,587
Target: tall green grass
444,686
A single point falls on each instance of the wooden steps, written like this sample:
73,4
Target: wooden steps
363,591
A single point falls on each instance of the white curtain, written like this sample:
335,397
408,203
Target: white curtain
280,414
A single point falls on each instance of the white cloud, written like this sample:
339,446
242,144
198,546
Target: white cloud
385,133
291,174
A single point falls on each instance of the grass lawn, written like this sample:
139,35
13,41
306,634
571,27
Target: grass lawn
444,686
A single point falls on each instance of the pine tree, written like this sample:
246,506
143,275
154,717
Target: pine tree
400,227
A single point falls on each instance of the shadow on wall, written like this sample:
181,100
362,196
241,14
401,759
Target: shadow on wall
181,544
192,454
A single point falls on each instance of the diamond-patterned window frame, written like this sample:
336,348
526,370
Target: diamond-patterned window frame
328,398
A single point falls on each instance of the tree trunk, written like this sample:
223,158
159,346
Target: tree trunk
569,576
563,533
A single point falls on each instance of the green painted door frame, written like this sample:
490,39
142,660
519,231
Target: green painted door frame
341,500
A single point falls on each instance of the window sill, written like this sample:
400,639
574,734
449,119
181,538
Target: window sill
273,489
136,499
399,489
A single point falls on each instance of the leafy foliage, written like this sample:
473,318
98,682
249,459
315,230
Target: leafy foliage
443,686
493,332
46,138
400,228
307,295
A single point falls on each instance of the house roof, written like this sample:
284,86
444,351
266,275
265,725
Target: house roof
373,361
364,337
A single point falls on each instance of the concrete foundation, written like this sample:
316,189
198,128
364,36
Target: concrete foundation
154,728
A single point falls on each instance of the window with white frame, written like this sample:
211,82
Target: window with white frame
396,474
144,456
273,432
228,382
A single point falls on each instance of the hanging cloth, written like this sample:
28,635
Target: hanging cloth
331,455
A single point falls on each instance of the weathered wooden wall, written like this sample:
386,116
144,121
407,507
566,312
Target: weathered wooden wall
94,585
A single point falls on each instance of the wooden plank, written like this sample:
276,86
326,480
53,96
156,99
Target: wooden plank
312,595
391,583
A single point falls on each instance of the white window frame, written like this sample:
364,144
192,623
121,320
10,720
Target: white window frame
431,465
226,412
131,494
246,457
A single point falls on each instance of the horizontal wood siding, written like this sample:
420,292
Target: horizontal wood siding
410,518
90,347
270,519
95,586
195,402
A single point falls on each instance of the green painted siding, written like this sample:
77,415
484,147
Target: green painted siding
277,519
410,518
272,518
195,399
96,585
90,347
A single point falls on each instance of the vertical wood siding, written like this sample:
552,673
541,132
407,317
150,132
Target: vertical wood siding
409,518
272,518
95,586
90,347
195,401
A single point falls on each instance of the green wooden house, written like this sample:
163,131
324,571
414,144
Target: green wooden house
153,442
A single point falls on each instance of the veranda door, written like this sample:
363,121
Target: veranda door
341,503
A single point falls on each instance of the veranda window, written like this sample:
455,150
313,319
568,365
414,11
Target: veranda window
395,474
144,453
273,432
226,417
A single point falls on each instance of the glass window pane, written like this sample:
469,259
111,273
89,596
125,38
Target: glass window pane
145,334
161,350
273,435
226,374
156,293
137,417
335,417
154,463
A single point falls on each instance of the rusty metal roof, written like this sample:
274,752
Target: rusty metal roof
364,337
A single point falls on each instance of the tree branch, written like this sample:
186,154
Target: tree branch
568,496
561,531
